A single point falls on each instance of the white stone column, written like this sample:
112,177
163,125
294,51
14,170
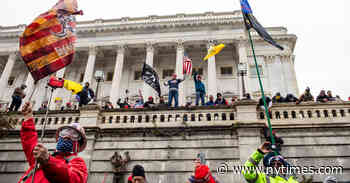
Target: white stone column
90,67
117,77
295,85
283,88
180,50
30,87
7,73
148,90
212,88
57,92
268,60
243,58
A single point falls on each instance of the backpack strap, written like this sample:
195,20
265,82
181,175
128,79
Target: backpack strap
70,158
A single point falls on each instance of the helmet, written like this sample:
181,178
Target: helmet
80,130
277,158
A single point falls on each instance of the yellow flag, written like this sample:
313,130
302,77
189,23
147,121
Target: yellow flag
214,51
72,86
58,99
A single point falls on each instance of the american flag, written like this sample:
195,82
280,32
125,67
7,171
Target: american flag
187,65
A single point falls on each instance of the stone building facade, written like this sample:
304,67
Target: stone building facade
119,47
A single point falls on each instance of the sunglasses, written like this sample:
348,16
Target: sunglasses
70,133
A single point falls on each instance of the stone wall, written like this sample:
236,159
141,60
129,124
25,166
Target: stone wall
169,159
167,149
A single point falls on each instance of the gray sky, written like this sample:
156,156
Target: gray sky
323,36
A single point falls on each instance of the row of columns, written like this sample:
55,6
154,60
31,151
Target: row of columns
117,78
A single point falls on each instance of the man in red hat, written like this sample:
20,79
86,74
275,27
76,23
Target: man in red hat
174,89
202,174
63,165
150,103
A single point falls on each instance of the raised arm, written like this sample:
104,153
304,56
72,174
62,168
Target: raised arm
195,74
29,136
250,173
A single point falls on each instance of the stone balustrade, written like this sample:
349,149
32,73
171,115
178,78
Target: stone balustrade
55,118
243,112
309,112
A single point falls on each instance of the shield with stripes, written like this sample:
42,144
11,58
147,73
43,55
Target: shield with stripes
47,44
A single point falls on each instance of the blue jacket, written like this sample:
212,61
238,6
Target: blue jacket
210,103
198,84
174,84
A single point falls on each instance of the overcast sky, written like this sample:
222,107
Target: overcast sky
322,50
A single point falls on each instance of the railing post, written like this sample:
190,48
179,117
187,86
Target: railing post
246,111
90,115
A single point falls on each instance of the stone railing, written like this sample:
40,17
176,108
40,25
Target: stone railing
244,112
168,117
309,112
55,118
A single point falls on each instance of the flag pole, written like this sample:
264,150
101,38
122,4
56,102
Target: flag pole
43,133
263,94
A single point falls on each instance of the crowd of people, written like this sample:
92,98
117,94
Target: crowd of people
87,95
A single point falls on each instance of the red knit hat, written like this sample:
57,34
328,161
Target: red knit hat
203,173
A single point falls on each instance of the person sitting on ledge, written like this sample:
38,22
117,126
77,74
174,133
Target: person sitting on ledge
276,162
211,101
246,96
220,100
124,105
306,97
268,103
162,103
322,97
150,103
108,106
139,102
63,165
291,98
330,96
278,98
234,100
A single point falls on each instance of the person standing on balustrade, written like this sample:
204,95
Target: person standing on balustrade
174,89
200,88
17,97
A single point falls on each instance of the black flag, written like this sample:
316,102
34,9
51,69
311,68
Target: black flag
252,22
150,76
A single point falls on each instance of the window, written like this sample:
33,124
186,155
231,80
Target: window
168,73
253,72
226,70
198,70
81,79
137,75
11,81
109,76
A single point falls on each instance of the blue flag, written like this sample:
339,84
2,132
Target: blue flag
251,22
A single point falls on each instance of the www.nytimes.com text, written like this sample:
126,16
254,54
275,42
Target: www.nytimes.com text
225,168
